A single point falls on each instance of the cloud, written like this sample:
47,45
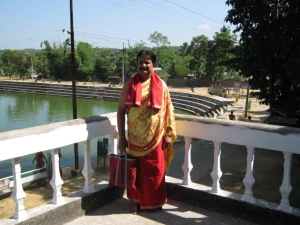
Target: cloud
204,27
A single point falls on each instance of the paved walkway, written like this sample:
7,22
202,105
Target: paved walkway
173,212
257,111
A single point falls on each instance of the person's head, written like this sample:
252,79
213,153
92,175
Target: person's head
231,112
145,63
249,117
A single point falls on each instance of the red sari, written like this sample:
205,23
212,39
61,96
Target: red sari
150,112
150,189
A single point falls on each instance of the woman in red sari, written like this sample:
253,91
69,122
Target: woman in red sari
150,132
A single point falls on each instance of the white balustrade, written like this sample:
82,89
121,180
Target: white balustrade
249,179
87,171
187,165
47,137
18,194
56,181
286,187
216,172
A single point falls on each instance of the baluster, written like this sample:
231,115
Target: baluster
216,173
114,143
249,179
286,187
187,165
56,181
87,171
18,194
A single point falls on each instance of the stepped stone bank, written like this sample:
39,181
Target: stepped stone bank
192,103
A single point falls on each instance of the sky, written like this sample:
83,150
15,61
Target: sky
108,23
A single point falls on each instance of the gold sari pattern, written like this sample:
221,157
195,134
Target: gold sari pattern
146,126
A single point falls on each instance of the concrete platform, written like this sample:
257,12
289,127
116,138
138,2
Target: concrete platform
174,212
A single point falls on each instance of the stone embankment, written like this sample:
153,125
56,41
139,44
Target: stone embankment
201,105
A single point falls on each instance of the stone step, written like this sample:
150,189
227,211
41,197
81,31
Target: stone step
193,103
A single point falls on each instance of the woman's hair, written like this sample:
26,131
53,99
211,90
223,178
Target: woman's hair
149,53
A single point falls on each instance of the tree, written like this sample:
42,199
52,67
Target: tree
198,49
183,50
269,51
221,51
41,63
159,39
180,66
58,60
16,62
165,55
105,64
86,60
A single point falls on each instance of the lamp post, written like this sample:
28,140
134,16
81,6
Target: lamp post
76,171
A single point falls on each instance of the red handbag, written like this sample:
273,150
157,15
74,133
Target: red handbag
122,171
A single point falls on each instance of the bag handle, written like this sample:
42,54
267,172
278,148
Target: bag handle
125,170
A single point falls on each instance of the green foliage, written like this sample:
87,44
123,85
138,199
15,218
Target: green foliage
15,62
105,64
164,56
202,56
180,66
57,60
163,74
86,61
1,67
159,39
269,50
198,48
209,57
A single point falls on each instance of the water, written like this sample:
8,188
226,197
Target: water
22,110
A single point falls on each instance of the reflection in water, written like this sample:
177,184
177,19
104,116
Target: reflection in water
22,110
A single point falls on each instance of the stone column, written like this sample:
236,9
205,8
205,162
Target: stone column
87,171
18,194
249,179
216,173
187,165
56,181
286,187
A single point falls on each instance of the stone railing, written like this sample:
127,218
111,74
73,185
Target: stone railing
53,136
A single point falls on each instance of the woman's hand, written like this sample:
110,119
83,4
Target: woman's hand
167,141
123,144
